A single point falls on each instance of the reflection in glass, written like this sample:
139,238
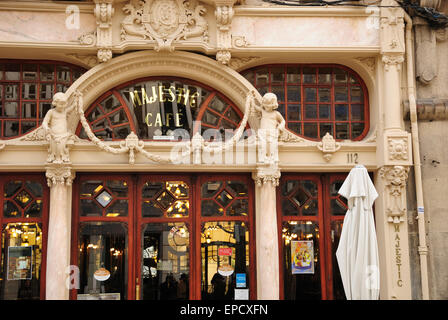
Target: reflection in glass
301,286
338,287
224,253
21,259
20,197
103,249
210,188
169,197
165,260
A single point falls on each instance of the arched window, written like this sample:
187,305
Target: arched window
154,108
316,99
26,90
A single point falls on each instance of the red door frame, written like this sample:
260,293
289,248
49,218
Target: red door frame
250,219
76,219
43,220
324,218
140,221
135,222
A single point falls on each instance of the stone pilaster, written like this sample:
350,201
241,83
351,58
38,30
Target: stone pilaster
267,179
224,13
59,178
394,160
104,12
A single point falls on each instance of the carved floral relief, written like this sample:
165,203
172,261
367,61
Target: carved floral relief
395,179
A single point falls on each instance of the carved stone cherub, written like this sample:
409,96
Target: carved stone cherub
55,124
271,124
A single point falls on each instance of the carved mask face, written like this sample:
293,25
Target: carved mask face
269,101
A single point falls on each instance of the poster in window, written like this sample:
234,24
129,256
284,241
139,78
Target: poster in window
20,263
302,257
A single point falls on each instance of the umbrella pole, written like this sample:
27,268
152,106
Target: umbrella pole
422,248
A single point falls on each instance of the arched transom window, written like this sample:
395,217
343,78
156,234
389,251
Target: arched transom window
160,108
316,99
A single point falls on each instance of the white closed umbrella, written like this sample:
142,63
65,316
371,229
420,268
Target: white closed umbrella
357,253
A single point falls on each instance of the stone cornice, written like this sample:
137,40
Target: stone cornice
287,11
45,6
429,109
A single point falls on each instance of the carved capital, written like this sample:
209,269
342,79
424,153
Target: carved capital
59,174
265,174
395,180
392,60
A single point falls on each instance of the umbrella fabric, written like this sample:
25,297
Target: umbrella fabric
357,252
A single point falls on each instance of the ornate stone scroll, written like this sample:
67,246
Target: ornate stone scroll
164,21
104,12
224,15
395,179
328,146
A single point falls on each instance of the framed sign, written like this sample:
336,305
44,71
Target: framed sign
20,263
302,257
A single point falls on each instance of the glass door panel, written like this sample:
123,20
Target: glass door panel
165,261
338,287
21,260
301,265
103,261
224,260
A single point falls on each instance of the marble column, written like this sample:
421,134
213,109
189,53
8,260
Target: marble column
267,179
59,178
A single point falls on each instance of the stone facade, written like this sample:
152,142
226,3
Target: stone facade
210,42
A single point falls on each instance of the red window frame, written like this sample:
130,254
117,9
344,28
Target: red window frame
39,114
135,221
43,219
269,86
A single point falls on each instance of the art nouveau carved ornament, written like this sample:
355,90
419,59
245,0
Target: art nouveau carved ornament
328,146
395,179
164,21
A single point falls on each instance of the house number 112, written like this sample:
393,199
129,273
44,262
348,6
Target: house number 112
352,158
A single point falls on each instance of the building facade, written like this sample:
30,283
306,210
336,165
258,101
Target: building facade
143,155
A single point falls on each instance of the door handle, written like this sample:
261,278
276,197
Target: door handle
137,289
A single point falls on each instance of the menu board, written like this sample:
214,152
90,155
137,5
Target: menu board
20,263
